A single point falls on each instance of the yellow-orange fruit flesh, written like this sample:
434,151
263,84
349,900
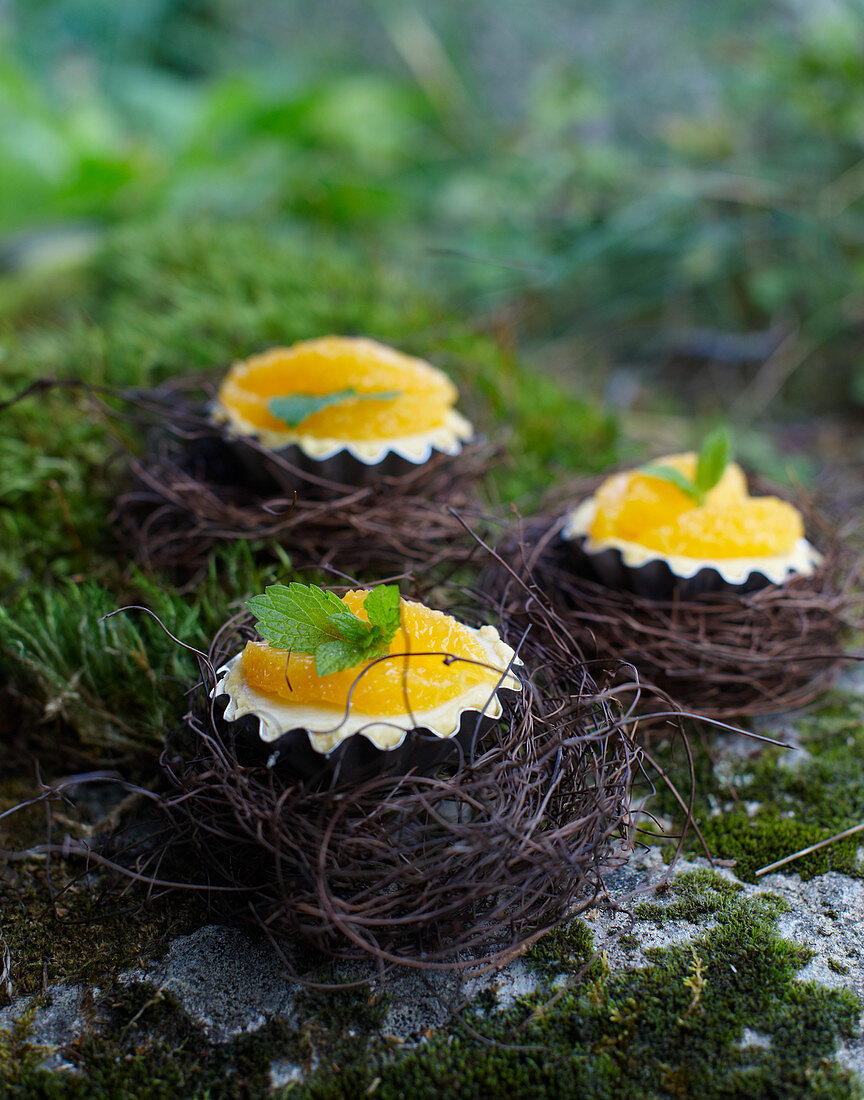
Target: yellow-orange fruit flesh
648,510
632,503
330,365
756,527
389,687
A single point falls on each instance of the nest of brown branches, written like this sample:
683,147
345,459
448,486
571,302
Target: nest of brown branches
197,486
434,867
725,655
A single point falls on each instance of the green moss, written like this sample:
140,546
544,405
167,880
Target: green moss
783,803
69,929
19,1056
149,1048
61,920
144,1044
672,1028
352,1009
120,684
758,840
566,948
804,803
696,895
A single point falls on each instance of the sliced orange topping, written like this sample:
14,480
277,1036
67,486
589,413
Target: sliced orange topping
631,503
636,507
757,527
331,365
390,687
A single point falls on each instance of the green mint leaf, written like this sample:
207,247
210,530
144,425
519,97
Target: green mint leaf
669,473
383,609
303,618
336,656
353,629
294,408
715,456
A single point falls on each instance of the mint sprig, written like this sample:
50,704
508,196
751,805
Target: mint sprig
294,408
714,456
304,618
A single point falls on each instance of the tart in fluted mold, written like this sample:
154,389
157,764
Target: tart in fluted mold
646,533
436,671
414,418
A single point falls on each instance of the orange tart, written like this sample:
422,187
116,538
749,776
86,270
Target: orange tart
435,675
341,395
645,532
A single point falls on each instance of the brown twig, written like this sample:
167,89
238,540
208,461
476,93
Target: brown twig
811,848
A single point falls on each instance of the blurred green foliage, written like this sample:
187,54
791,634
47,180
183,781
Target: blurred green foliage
717,184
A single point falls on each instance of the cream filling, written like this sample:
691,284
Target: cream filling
803,558
447,437
329,726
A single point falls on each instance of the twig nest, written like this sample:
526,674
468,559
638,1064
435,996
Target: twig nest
726,607
364,484
346,408
433,862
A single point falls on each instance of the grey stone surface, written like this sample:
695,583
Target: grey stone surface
229,982
66,1016
283,1073
419,1000
751,1038
825,914
226,980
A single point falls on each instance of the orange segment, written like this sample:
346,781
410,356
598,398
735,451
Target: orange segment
757,527
631,503
636,507
336,363
389,686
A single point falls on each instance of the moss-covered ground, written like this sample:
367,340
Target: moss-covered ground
758,808
78,692
675,1027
